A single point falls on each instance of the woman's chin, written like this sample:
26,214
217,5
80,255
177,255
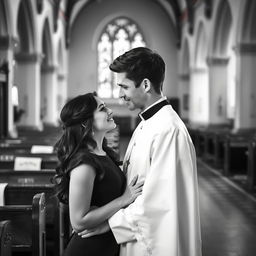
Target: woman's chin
111,126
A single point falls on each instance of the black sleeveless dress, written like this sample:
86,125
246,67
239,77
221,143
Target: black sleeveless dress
109,184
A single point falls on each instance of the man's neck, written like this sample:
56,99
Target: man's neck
151,100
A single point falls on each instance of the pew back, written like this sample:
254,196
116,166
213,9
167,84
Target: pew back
5,238
49,161
26,177
27,226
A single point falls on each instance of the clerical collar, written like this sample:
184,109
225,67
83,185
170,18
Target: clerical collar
154,108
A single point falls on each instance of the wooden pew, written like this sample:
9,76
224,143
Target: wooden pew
5,238
29,140
198,138
26,177
17,148
30,136
214,138
219,139
27,226
49,161
251,179
61,220
236,152
205,145
65,227
60,228
47,131
20,194
21,143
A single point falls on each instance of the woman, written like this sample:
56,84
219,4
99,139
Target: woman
88,177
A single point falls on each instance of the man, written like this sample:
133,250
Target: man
164,220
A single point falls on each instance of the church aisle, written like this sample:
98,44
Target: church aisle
228,217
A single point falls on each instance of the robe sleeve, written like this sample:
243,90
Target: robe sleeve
138,220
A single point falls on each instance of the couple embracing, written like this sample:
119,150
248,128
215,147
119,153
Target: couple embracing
150,205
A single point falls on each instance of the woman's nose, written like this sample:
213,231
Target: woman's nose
109,111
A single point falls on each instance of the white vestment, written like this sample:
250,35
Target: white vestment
164,220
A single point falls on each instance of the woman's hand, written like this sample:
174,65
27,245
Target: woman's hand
102,228
131,192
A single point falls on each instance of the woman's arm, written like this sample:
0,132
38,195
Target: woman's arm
80,193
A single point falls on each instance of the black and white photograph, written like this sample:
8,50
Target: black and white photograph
127,127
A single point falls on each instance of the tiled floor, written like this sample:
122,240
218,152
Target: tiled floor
228,216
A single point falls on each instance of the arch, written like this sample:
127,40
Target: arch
25,28
60,58
169,10
129,26
47,49
61,90
222,29
3,20
199,77
224,60
81,4
47,69
248,31
23,53
185,58
201,47
119,35
245,86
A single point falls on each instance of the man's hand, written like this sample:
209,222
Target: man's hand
103,228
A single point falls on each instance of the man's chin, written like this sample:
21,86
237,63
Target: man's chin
130,105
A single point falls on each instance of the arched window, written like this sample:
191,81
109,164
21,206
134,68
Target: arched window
118,36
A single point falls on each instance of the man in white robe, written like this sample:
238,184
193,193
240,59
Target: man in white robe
164,220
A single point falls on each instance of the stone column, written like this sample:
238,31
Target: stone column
62,91
184,84
217,90
27,78
7,44
199,96
245,112
49,83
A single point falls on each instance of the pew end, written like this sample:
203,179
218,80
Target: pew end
27,225
5,238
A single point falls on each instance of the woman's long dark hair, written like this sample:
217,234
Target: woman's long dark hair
77,120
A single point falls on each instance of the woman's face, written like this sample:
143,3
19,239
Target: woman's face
103,117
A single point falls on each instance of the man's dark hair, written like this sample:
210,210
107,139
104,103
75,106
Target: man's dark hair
140,63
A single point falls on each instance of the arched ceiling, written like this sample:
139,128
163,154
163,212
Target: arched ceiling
179,11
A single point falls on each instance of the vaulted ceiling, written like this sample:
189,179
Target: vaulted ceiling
179,11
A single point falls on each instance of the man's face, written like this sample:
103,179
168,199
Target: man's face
133,97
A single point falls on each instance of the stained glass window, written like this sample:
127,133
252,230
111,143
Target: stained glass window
119,36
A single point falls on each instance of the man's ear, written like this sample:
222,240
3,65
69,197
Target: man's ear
146,85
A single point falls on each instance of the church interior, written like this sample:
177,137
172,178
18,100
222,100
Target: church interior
54,50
